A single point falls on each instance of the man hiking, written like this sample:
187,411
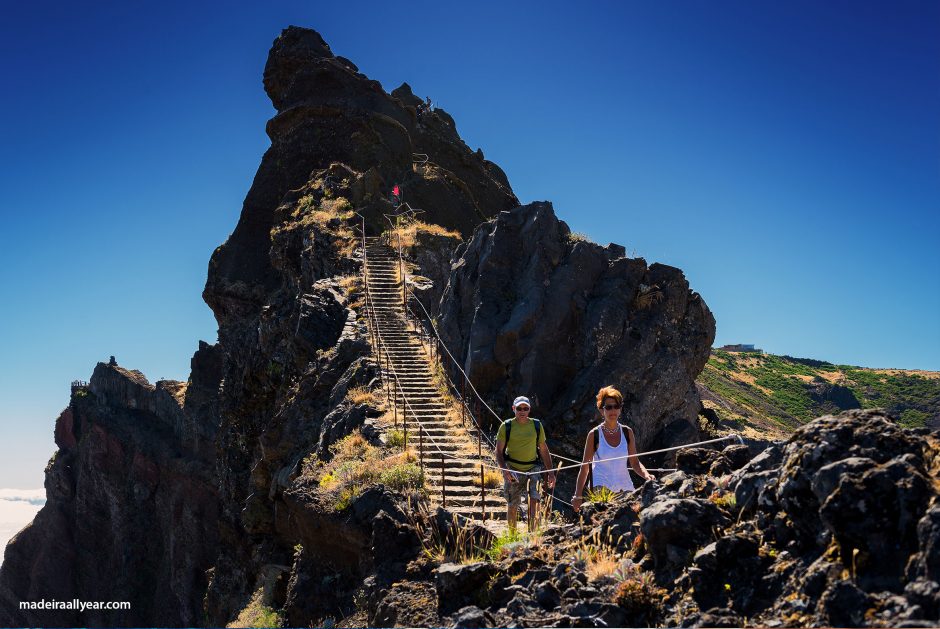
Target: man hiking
519,442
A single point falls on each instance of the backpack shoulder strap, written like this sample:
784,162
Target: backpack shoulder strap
597,438
538,432
508,424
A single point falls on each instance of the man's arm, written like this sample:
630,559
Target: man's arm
547,463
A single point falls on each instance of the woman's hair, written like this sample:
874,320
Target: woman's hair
607,392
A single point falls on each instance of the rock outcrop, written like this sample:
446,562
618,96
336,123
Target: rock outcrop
531,310
131,505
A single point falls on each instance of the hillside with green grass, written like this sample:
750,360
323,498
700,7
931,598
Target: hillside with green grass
763,393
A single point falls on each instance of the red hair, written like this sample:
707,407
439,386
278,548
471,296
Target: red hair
607,392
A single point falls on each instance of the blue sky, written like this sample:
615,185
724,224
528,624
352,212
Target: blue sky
786,156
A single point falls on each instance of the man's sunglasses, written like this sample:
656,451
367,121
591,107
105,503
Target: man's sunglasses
611,407
522,408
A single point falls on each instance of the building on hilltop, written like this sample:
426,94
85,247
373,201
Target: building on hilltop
741,347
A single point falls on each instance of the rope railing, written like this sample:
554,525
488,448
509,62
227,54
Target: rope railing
466,378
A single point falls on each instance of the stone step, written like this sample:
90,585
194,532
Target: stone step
466,492
494,519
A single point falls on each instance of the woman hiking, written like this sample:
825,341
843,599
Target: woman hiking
606,449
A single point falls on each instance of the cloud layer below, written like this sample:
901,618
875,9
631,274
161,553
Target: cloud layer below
17,509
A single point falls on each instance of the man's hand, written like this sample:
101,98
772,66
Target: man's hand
508,476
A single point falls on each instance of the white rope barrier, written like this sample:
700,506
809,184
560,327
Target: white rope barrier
619,458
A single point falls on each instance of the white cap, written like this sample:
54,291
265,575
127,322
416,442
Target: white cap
521,400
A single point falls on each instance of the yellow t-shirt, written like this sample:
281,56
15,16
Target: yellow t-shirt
522,443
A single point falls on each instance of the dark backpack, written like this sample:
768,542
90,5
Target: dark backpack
538,433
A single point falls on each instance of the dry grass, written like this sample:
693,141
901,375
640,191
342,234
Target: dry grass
930,375
410,231
455,544
349,284
600,557
833,377
491,479
742,376
362,395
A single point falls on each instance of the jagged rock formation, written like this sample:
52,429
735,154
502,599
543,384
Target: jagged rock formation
330,112
530,310
131,505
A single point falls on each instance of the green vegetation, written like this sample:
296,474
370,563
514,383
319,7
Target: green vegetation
600,494
403,476
785,392
395,438
501,544
357,464
257,615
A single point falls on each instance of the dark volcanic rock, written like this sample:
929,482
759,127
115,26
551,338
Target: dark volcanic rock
131,506
530,310
674,528
832,397
459,585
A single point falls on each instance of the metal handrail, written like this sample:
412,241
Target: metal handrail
384,348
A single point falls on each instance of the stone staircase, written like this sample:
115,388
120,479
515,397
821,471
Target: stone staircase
426,410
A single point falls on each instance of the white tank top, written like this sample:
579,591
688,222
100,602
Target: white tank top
611,474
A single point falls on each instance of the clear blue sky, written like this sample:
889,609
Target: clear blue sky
786,156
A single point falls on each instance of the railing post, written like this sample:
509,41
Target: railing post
482,476
443,484
463,401
395,411
421,452
401,270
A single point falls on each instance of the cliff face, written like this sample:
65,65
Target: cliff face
532,311
131,505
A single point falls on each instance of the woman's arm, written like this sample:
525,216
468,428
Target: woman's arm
634,459
583,472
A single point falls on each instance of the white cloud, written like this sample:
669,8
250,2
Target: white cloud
18,507
32,496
